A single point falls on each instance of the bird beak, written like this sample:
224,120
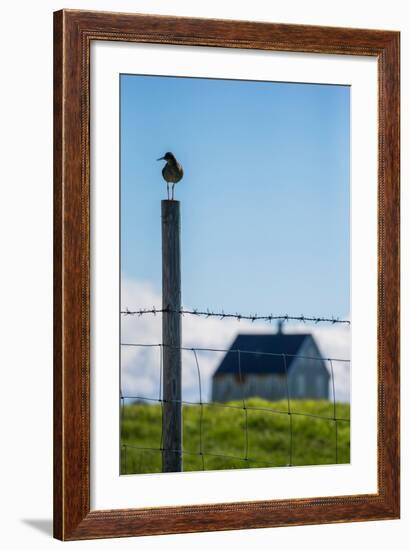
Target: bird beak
161,158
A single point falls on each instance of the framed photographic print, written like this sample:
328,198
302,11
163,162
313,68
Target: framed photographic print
226,275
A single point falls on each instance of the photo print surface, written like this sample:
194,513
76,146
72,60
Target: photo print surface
235,274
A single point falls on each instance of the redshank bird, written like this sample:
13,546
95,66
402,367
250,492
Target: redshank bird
172,172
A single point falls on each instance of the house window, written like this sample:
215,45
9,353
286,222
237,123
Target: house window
300,385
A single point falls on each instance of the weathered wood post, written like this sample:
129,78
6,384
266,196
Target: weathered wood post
171,337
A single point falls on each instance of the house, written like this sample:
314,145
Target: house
259,368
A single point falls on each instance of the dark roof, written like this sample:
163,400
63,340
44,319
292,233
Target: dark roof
261,362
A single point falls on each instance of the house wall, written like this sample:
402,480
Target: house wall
228,387
309,379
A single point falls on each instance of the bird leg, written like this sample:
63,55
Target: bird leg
168,190
173,191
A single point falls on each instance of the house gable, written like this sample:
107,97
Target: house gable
309,376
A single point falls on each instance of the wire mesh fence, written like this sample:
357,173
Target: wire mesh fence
246,432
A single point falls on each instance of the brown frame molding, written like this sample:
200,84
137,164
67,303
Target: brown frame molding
73,32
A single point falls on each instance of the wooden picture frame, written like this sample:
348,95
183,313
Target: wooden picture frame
73,33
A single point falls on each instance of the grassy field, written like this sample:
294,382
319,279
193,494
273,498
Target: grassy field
224,433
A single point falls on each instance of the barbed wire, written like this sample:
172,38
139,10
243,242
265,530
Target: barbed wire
238,316
243,405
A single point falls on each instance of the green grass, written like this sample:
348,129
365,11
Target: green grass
224,433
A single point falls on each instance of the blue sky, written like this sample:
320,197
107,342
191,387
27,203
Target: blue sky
264,199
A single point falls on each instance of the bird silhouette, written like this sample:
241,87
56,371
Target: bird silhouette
172,171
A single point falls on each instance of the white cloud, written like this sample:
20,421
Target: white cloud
141,365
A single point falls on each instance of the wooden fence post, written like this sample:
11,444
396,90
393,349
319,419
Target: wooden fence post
171,337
